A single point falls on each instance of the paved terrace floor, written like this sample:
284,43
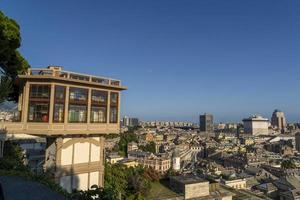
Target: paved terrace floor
17,188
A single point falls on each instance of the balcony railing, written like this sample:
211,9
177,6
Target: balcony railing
74,76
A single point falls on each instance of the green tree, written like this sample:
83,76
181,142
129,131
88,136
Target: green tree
116,177
288,164
95,193
130,183
12,62
125,138
150,147
139,184
151,174
13,158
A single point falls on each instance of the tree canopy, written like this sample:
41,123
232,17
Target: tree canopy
12,62
150,147
288,164
125,138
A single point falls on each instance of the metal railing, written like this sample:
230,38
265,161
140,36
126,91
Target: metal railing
73,75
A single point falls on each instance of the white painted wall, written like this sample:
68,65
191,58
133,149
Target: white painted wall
94,178
66,155
95,153
81,181
176,163
81,152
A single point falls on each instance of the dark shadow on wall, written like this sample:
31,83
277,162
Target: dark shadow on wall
14,163
66,179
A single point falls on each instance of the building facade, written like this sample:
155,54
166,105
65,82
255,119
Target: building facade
161,165
72,111
297,141
132,146
206,123
236,184
191,187
132,122
256,125
278,121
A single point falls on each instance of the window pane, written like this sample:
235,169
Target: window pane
60,93
38,112
59,112
40,91
99,97
77,113
114,98
39,97
113,115
78,95
98,114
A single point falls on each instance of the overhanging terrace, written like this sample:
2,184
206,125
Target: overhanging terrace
72,111
12,129
57,102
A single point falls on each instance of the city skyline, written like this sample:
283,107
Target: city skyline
178,59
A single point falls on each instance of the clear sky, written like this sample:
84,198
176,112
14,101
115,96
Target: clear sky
230,58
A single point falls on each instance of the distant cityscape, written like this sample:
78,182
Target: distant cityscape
257,158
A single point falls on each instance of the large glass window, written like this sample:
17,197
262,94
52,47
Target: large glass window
78,105
59,113
113,115
99,97
39,97
78,95
77,113
59,104
98,114
114,101
99,106
114,97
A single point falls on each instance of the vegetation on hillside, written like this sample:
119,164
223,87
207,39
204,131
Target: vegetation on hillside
121,182
288,164
150,147
125,138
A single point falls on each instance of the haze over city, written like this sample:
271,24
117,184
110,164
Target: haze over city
178,58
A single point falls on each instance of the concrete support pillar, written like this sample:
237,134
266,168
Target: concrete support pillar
108,108
119,106
76,162
25,101
52,92
66,117
89,106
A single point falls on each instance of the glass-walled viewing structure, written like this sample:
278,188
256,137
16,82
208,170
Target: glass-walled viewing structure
72,111
58,101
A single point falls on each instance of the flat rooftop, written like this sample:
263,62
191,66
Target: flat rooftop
57,72
188,179
256,118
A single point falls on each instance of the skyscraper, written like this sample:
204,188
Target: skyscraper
206,123
278,120
127,121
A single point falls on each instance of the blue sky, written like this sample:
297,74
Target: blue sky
230,58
